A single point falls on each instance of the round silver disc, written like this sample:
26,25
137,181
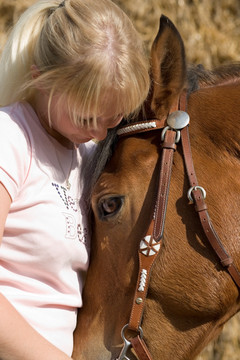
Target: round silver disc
178,120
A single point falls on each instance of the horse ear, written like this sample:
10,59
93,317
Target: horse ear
168,67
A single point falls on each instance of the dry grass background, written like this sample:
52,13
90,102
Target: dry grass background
211,32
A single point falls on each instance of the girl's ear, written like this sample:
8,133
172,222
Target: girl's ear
34,71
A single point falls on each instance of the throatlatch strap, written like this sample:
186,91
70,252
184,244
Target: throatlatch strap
201,208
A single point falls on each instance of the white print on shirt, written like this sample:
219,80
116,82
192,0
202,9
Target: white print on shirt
68,201
73,230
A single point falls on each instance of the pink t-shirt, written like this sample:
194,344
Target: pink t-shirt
45,247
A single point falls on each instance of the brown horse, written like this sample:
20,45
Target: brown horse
190,295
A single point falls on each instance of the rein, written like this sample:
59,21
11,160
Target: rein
177,128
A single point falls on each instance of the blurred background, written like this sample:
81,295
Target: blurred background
211,33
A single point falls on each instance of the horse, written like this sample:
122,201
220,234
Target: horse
191,294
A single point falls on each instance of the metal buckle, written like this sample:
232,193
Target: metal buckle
193,188
176,121
169,128
127,344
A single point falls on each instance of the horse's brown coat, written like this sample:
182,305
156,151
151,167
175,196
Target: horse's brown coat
190,296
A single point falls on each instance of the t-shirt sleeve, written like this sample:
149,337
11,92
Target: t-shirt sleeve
15,154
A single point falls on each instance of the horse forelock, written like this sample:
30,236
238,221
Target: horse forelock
102,154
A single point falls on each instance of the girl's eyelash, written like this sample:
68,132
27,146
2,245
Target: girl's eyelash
89,122
86,122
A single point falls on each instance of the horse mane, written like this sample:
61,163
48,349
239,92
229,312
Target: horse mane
197,77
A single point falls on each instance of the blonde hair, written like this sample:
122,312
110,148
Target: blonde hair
84,51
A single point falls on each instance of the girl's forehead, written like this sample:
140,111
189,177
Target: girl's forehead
112,105
107,107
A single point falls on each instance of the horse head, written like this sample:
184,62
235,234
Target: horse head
190,294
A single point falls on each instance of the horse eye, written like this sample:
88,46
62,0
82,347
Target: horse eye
110,206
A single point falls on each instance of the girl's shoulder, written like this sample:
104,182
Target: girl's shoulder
13,124
15,147
19,121
16,118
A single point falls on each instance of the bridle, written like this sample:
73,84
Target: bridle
174,129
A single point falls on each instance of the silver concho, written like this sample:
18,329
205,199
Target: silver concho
178,120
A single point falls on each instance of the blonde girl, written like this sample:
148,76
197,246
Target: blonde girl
69,72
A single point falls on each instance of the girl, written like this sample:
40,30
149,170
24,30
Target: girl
70,71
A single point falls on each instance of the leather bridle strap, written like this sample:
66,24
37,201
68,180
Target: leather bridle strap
200,205
151,243
150,247
140,127
140,348
201,208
